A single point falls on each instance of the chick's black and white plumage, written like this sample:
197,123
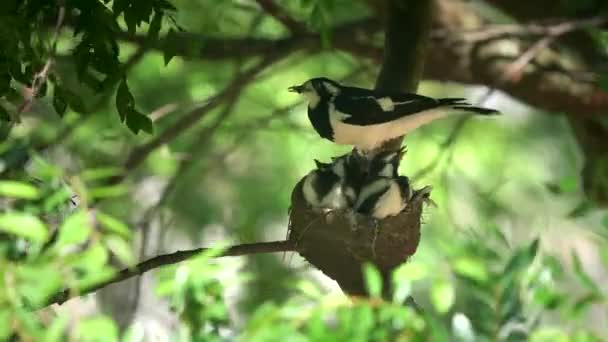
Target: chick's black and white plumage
382,197
367,118
332,185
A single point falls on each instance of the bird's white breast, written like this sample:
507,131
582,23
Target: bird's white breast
334,199
313,99
390,203
369,137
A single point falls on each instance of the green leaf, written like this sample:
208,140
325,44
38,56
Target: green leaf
582,276
373,280
58,198
121,249
522,258
442,295
583,208
18,190
56,331
137,121
169,50
76,229
100,173
471,268
99,328
5,324
91,259
109,191
124,100
155,25
24,225
59,102
113,225
74,101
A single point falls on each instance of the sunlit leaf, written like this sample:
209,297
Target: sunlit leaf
23,225
121,249
442,295
5,324
545,334
113,225
309,289
471,268
90,259
74,230
18,190
57,330
100,328
108,191
373,280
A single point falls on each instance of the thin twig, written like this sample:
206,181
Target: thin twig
174,258
518,30
40,77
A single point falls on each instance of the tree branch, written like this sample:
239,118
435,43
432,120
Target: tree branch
270,7
139,154
579,42
220,48
552,86
407,34
174,258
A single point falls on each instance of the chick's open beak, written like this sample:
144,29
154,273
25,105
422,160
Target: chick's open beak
296,89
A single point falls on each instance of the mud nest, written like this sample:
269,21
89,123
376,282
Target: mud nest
339,242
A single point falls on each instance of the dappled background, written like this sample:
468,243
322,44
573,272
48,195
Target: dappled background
220,145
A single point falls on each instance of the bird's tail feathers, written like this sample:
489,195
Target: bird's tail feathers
453,101
461,104
477,110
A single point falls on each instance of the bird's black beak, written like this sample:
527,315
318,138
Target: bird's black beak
296,89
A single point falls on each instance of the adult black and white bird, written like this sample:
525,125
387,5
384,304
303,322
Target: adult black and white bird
366,118
333,185
382,197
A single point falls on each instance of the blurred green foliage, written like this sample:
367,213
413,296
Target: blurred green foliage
486,269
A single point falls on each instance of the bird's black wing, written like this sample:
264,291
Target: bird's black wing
363,107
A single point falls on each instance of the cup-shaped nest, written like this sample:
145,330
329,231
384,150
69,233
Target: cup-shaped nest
339,242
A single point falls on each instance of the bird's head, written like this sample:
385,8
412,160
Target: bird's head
386,163
317,88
